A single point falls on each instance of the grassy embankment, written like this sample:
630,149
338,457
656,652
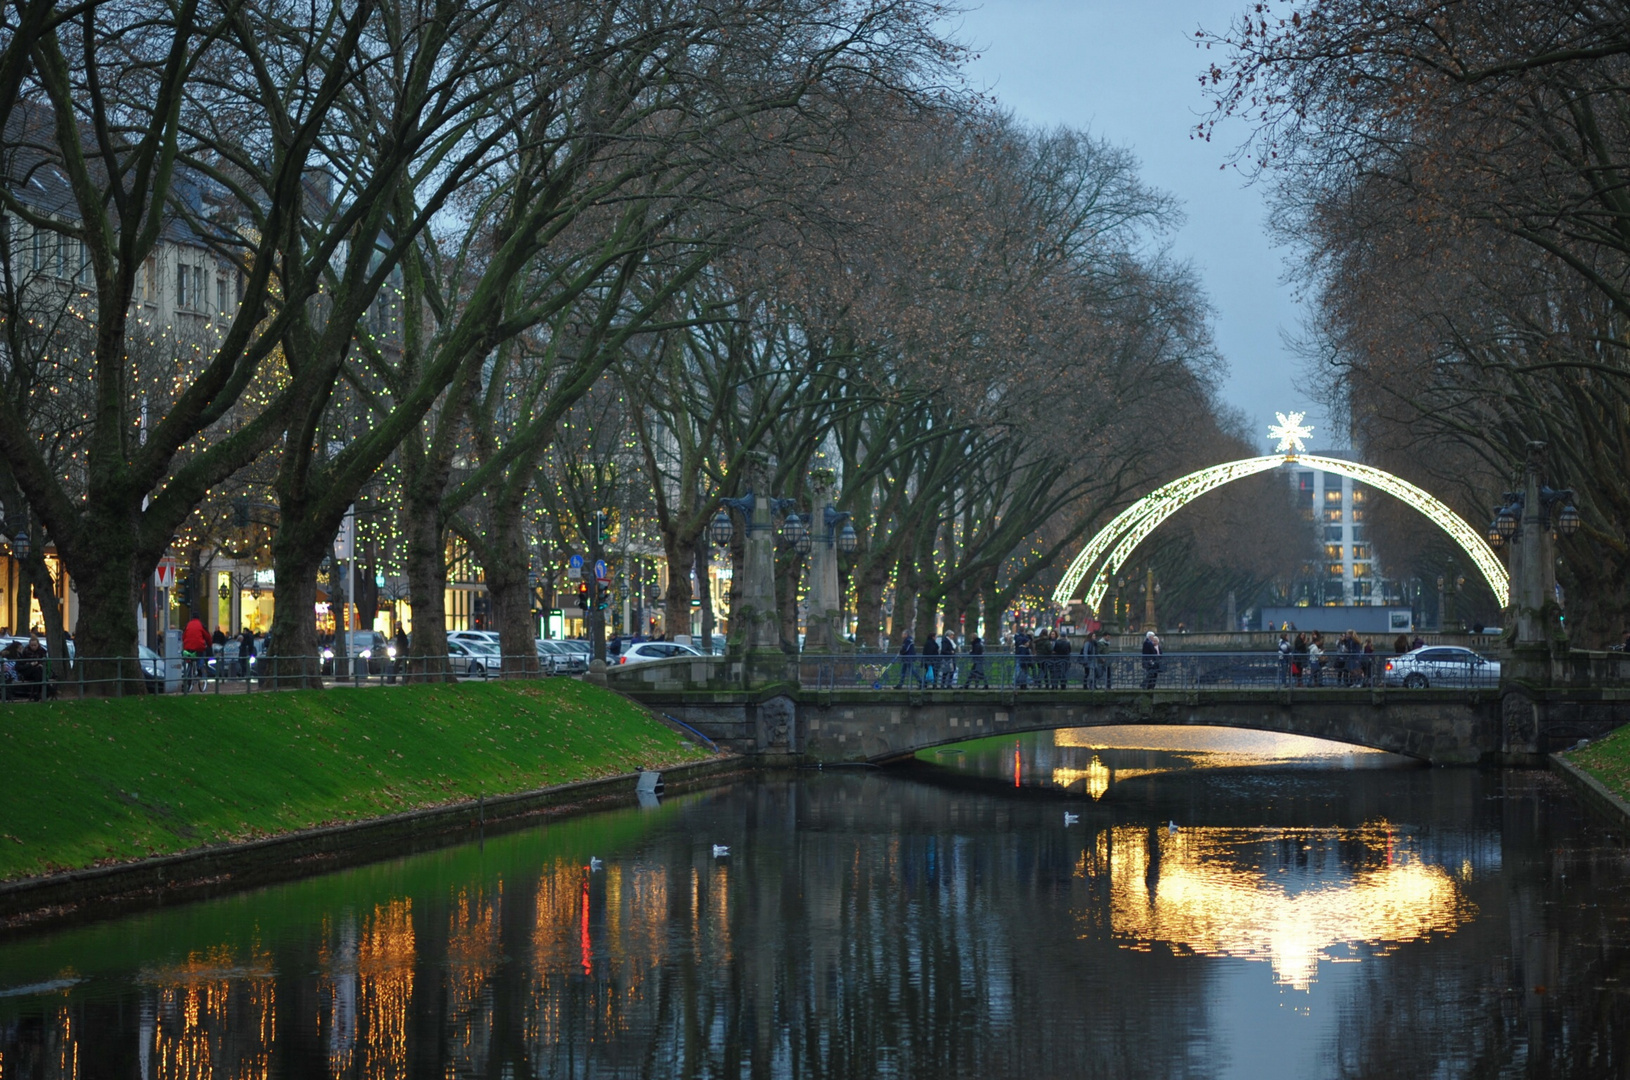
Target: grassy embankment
1608,760
90,782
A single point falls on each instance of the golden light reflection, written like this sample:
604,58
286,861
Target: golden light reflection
214,1016
386,954
473,953
1096,776
1191,890
1209,745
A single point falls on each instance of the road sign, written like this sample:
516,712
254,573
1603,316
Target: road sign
601,573
574,568
165,572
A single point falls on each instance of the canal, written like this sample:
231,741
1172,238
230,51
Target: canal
1111,903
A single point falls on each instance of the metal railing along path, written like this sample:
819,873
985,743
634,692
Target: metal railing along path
1134,671
34,679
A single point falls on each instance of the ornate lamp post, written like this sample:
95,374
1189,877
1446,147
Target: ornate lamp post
754,624
823,630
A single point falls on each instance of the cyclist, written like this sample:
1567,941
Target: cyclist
194,650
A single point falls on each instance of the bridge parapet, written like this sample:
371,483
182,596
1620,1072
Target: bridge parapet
876,708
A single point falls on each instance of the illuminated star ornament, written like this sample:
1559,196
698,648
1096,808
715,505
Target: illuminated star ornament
1290,432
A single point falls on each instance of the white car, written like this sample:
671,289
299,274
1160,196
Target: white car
559,659
646,651
472,658
1441,665
479,637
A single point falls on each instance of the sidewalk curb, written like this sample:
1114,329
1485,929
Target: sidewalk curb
96,892
1594,792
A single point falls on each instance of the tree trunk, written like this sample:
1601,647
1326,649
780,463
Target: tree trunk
789,573
905,607
508,597
298,549
992,614
681,553
110,591
870,581
427,589
704,593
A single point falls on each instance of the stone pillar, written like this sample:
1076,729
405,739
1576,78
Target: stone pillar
753,622
1537,641
823,627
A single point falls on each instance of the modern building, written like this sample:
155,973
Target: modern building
1335,506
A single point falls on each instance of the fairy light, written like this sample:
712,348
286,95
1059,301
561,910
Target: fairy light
1114,543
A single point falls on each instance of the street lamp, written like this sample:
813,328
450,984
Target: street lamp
224,592
19,544
721,530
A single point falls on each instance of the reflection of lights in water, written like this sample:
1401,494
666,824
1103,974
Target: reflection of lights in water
386,955
214,1016
1096,776
472,956
1211,745
1192,892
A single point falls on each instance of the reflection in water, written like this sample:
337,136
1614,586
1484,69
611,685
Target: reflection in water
211,1016
920,923
364,987
1196,891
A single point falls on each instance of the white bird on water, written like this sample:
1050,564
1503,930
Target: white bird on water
594,864
720,851
1071,819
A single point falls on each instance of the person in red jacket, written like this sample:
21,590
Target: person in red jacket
194,647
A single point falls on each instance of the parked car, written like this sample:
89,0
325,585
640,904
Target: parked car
474,659
561,660
480,637
1441,665
152,669
647,651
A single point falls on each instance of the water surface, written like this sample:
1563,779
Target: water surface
1217,905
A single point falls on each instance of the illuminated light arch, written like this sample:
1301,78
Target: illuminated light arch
1115,542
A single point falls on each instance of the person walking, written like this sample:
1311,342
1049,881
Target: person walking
246,652
1089,653
908,651
1368,661
947,670
399,661
1400,644
1298,658
976,669
930,653
1284,659
1021,653
1151,659
1315,660
1061,661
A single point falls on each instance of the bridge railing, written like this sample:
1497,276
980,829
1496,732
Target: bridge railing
1132,671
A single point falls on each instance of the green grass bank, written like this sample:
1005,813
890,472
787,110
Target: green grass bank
1608,760
91,782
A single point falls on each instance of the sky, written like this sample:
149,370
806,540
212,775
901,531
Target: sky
1129,73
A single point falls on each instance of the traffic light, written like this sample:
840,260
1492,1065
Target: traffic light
602,528
240,512
583,595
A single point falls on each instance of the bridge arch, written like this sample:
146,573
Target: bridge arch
1112,545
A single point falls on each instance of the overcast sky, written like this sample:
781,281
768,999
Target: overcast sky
1129,73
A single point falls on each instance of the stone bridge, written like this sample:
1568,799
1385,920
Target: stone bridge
1509,724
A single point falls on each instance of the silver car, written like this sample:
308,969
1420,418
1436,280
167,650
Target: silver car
1441,665
472,658
559,659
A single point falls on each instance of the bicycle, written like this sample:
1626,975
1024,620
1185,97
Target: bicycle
193,667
